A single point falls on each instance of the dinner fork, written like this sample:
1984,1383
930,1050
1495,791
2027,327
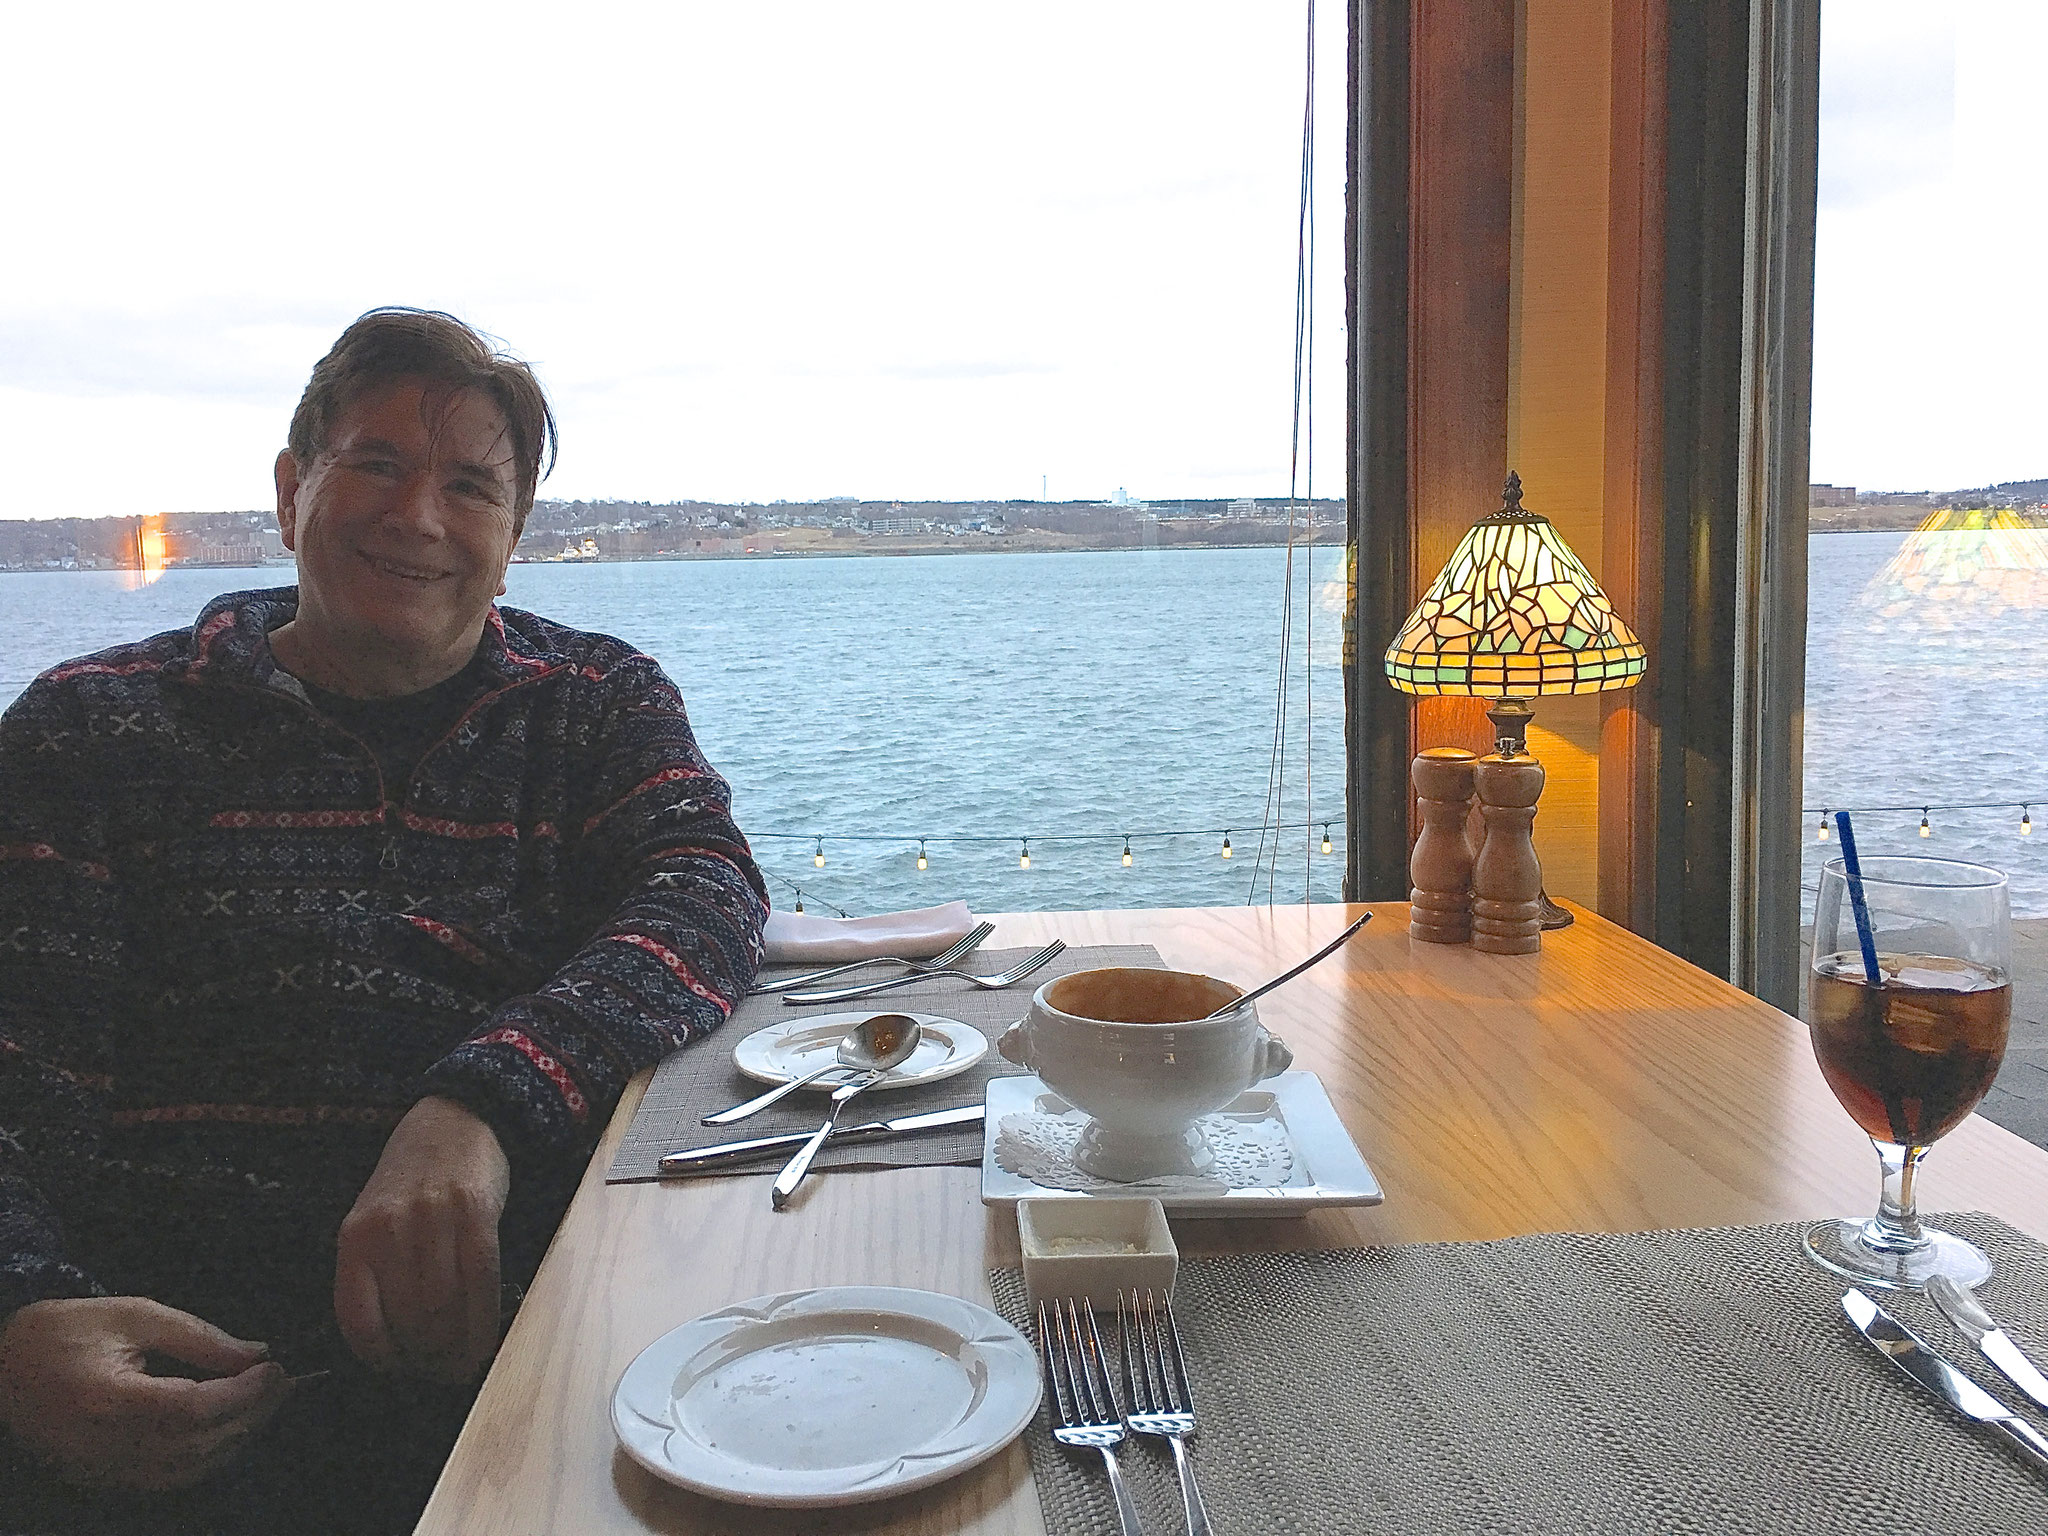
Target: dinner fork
988,983
959,951
1156,1382
1078,1374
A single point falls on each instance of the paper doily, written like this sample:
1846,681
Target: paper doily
1252,1152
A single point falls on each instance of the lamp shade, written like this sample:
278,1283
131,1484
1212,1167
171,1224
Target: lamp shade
1513,614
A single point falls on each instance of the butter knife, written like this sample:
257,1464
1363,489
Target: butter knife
697,1159
1911,1354
1982,1329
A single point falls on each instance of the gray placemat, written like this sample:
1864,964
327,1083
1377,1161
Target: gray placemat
1687,1381
701,1077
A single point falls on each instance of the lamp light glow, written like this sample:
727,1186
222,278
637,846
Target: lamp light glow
1821,832
1127,853
1326,837
818,858
1226,845
922,863
1925,829
1024,856
2026,821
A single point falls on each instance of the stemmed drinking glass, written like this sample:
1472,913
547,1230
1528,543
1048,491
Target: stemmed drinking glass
1911,1050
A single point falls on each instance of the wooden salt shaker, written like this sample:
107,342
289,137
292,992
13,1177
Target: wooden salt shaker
1440,868
1507,880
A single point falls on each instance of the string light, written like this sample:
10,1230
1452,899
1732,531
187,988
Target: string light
799,900
1127,853
1821,833
2026,821
1326,837
922,862
1226,845
1925,829
1024,856
818,858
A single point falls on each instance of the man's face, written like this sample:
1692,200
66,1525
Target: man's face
403,525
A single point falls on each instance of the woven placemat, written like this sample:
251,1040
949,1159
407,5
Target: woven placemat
701,1078
1686,1381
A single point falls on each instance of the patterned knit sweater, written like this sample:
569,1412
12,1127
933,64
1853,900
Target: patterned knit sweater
232,958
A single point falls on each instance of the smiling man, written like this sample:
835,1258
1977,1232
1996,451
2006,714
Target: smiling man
330,930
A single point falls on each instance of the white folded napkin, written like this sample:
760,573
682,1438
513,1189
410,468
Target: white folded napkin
797,938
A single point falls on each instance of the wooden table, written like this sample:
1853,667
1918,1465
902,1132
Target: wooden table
1602,1085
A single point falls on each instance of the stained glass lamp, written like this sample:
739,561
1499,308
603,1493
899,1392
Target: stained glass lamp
1514,614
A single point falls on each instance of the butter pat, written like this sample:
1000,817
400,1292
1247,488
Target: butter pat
1088,1248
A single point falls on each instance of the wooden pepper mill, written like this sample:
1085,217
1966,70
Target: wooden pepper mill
1507,880
1440,867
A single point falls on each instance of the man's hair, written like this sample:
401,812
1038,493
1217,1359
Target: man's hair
390,344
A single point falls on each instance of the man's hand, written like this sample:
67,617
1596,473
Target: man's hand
75,1391
416,1273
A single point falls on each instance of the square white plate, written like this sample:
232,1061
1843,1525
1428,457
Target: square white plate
1326,1166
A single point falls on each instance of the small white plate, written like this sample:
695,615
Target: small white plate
791,1047
1290,1115
823,1397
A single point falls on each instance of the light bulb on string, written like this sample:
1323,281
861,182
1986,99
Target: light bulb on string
799,901
2026,821
818,858
1820,834
1925,829
1127,853
1024,854
922,862
1226,845
1326,837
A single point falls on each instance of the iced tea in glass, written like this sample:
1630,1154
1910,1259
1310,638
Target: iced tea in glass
1912,1052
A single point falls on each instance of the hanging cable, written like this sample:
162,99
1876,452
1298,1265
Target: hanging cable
1304,357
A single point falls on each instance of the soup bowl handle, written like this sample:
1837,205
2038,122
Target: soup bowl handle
1272,1056
1014,1046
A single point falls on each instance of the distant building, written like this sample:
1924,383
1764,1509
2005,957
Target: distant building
1244,506
1831,495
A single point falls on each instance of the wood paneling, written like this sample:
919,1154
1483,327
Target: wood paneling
1557,377
1460,253
1632,536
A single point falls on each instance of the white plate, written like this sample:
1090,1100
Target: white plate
791,1047
1291,1112
833,1396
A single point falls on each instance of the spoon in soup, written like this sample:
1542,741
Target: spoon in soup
1318,957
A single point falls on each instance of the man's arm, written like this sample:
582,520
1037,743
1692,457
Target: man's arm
61,989
674,906
74,1383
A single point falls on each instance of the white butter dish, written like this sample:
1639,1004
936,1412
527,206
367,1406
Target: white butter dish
1088,1250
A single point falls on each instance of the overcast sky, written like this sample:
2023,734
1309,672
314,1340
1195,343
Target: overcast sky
876,250
1930,309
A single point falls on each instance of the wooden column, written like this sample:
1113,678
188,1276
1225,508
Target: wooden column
1632,541
1460,256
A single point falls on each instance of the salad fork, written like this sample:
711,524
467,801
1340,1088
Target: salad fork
959,951
1162,1401
1078,1375
987,983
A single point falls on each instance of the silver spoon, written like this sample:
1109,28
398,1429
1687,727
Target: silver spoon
869,1038
894,1054
1320,955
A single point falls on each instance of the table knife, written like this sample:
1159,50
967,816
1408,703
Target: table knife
1982,1329
697,1158
1911,1354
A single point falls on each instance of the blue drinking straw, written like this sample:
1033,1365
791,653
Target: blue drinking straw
1857,904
